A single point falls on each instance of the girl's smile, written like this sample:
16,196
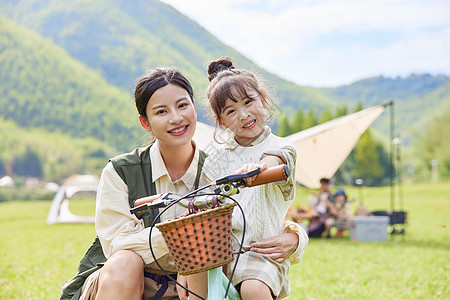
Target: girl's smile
250,125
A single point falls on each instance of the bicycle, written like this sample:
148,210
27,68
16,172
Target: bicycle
199,205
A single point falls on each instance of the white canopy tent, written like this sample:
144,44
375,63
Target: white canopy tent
323,148
204,137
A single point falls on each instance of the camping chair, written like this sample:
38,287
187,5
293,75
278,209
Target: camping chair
397,220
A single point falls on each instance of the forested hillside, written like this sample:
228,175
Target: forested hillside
68,69
50,155
42,86
418,99
121,39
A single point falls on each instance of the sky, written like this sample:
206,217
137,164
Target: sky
326,43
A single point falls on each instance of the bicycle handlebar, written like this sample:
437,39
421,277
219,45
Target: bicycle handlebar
229,186
277,173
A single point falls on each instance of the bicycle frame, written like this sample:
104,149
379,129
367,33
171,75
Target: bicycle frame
217,285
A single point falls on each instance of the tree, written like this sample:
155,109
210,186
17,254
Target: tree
310,119
358,107
2,168
325,116
341,110
28,164
434,144
367,160
298,123
283,127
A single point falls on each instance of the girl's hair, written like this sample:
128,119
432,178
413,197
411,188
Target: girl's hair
227,82
154,79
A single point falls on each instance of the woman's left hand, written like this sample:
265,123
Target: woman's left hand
278,247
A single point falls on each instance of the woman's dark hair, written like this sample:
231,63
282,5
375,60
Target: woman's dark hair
154,79
227,82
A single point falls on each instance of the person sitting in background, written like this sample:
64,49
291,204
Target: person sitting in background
318,202
340,212
317,208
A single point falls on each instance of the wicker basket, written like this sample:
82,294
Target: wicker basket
201,241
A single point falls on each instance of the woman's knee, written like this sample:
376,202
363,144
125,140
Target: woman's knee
124,268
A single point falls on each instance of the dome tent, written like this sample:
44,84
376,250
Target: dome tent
59,210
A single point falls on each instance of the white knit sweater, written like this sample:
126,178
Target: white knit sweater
265,206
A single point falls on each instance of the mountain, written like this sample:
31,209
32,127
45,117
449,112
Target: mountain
42,86
121,39
417,99
69,68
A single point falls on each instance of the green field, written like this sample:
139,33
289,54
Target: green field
35,258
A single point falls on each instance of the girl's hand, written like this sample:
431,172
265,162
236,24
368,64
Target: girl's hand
248,168
182,293
278,247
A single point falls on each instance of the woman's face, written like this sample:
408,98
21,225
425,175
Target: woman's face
245,118
171,116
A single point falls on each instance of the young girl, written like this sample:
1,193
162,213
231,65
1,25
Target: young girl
340,211
239,104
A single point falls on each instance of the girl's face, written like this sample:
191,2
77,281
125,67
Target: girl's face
171,116
245,118
340,199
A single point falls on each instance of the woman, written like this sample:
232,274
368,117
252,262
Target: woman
172,163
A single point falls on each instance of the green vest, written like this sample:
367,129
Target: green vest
135,170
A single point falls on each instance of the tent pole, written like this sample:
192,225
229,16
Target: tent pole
391,150
399,172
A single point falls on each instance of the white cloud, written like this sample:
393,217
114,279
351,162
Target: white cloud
331,42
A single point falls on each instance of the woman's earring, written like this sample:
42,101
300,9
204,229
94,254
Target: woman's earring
222,124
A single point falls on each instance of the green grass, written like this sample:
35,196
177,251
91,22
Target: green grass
35,258
414,266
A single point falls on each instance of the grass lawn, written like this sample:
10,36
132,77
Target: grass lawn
35,258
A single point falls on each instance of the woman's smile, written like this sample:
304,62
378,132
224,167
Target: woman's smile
180,130
171,116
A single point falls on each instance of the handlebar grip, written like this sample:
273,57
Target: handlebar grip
277,173
148,199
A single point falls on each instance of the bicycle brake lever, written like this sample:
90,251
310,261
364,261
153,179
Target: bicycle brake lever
163,201
237,177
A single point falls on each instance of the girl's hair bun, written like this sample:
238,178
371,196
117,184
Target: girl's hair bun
218,65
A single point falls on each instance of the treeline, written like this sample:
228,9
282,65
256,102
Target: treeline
417,99
432,145
368,160
302,119
50,156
